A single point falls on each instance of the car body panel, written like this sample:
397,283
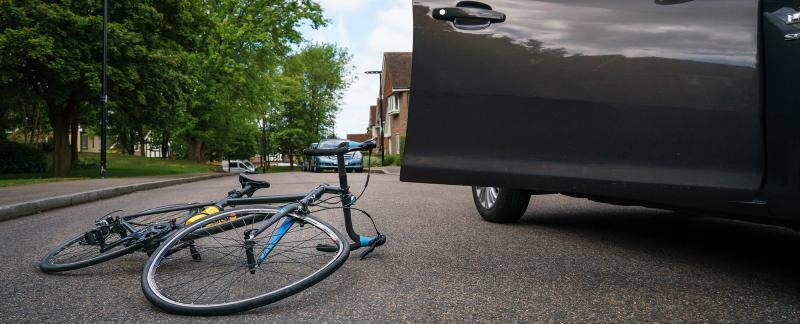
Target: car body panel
782,118
650,101
238,166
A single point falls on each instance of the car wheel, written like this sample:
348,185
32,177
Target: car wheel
359,170
500,205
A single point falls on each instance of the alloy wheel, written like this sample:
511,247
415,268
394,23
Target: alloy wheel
487,196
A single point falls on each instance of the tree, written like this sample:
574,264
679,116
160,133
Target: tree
310,90
236,59
54,49
324,72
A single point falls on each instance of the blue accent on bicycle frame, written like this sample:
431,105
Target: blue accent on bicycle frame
365,240
287,224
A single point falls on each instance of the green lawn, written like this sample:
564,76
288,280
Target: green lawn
274,169
119,166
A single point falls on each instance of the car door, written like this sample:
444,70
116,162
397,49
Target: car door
647,100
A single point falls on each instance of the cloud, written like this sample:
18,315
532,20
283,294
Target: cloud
379,26
344,5
394,30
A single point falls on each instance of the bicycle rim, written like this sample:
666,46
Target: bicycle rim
75,253
203,269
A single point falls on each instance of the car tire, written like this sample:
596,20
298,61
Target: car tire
359,170
500,205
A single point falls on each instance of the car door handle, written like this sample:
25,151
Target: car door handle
468,17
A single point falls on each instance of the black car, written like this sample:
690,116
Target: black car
684,105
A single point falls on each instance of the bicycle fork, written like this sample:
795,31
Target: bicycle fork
249,244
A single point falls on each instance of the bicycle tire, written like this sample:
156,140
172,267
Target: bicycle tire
161,288
47,265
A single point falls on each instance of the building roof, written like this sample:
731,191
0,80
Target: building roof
358,137
397,65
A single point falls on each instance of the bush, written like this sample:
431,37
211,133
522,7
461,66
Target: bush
374,160
398,160
388,159
21,158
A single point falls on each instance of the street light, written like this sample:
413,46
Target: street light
380,104
104,95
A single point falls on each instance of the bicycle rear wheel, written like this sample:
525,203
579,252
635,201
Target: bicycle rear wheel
76,253
220,273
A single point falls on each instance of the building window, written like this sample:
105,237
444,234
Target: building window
394,104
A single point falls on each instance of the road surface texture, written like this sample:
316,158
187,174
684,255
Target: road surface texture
567,260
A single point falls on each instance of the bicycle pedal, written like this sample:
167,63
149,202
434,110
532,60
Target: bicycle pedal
327,248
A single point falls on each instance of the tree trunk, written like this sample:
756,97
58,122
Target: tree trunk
164,145
61,155
291,159
196,150
61,117
131,142
142,150
74,142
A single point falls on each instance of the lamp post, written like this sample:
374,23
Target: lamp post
380,104
104,95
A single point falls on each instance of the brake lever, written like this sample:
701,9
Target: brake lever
378,241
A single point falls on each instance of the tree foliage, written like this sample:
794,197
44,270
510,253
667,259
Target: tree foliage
311,84
195,78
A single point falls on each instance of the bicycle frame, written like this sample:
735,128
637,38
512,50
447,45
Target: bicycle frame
296,202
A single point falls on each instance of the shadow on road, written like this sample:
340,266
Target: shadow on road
733,247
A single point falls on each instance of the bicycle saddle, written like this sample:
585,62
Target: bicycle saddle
253,183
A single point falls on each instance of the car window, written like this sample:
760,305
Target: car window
329,144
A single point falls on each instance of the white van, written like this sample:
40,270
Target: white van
238,166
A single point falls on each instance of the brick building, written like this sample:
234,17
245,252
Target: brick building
396,81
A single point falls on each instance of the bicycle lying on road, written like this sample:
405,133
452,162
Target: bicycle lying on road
222,261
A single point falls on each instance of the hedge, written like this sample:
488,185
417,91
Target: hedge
21,158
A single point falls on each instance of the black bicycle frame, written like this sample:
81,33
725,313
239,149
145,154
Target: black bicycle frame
295,202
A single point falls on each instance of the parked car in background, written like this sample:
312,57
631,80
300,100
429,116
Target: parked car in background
238,166
307,160
682,105
353,160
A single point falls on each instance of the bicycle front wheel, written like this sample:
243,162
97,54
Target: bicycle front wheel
213,267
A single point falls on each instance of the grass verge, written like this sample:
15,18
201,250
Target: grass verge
119,166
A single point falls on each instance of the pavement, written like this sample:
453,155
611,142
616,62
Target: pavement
17,201
391,169
567,260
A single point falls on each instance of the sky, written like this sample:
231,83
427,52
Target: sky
367,28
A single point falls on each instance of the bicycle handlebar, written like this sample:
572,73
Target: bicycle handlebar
343,148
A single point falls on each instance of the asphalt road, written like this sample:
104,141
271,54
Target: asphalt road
567,260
